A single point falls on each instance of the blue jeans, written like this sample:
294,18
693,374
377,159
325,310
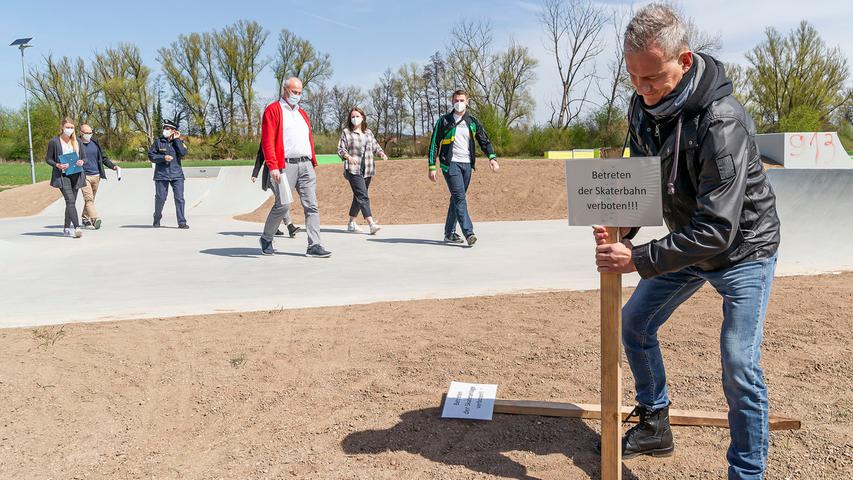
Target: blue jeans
745,289
458,177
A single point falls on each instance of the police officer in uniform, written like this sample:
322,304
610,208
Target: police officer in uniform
166,153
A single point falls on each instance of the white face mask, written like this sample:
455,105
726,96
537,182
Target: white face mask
356,121
167,133
294,99
68,131
459,107
87,137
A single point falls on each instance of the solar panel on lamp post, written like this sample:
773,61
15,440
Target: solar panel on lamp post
22,44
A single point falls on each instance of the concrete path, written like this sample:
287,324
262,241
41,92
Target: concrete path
130,270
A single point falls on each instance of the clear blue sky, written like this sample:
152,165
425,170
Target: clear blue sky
364,37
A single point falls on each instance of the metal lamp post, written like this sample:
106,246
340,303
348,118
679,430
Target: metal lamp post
22,44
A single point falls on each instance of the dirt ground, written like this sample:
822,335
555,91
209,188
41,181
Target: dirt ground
27,199
352,392
401,193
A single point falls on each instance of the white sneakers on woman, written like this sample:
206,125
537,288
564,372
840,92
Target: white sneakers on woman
72,232
352,227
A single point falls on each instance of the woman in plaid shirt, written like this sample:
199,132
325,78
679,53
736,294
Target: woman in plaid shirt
356,148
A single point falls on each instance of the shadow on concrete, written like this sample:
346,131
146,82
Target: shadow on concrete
241,234
149,227
482,446
44,234
417,241
244,252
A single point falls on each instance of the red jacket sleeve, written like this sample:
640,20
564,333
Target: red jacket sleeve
269,127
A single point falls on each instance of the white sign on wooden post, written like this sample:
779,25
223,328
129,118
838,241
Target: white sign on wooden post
471,401
623,192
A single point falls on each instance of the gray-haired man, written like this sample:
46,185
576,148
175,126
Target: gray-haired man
288,148
724,231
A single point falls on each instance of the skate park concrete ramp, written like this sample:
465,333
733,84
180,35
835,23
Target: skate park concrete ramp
208,191
808,150
816,211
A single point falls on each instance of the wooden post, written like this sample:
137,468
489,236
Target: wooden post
611,370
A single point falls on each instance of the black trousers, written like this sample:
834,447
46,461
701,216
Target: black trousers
69,193
360,200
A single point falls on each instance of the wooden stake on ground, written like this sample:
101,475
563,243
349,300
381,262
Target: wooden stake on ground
684,418
611,370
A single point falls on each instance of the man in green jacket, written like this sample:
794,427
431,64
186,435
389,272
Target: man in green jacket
453,144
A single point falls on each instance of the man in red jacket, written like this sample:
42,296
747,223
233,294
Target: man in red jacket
288,147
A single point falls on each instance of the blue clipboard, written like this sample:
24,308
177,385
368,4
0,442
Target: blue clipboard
71,160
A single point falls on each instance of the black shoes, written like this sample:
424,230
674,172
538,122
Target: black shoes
292,230
651,436
453,238
471,239
266,247
279,233
183,226
317,251
156,225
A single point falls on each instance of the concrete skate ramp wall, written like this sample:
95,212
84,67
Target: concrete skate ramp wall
207,191
804,150
816,211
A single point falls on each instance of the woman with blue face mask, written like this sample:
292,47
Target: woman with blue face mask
67,174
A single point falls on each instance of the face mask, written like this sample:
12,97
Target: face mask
167,133
356,121
68,132
87,137
459,107
294,99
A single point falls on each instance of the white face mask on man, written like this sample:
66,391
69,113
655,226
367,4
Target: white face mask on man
293,99
167,132
87,137
459,107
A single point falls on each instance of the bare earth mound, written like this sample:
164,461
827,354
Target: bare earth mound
351,392
27,200
402,194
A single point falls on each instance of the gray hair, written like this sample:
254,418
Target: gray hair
657,25
286,82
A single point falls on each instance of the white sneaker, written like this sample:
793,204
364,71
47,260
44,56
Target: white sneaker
78,233
68,232
353,228
374,227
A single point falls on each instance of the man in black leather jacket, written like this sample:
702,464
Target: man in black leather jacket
724,230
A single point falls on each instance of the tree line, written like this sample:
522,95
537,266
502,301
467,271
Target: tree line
207,82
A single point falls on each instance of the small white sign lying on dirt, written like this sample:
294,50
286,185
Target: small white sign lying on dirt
614,192
471,401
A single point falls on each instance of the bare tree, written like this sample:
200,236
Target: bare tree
297,57
183,68
342,100
573,29
318,104
495,80
616,90
515,70
241,43
410,82
66,86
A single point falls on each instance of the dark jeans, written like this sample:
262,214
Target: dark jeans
161,192
360,200
69,193
458,177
